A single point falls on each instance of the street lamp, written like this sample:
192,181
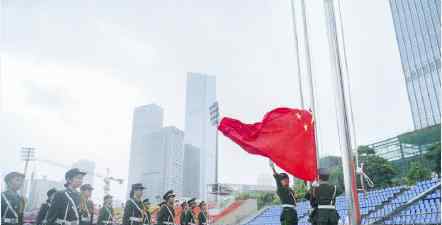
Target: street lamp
214,119
27,155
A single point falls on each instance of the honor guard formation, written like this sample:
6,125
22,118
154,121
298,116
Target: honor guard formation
73,205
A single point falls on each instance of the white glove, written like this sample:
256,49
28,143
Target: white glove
315,184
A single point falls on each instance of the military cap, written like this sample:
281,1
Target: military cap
12,175
168,195
72,173
284,176
146,201
106,197
86,187
324,172
191,201
51,192
138,186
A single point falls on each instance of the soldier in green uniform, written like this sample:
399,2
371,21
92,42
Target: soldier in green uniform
189,216
184,207
106,214
322,198
147,216
133,211
12,203
64,209
203,216
289,215
166,215
42,213
86,205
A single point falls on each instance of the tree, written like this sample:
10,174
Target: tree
433,158
417,172
330,162
266,198
300,189
381,171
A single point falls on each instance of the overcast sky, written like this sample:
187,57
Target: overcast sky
73,71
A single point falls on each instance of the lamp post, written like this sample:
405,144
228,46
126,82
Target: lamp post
214,119
27,155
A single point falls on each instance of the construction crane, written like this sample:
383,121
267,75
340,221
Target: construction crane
106,178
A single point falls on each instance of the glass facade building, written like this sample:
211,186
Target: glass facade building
199,132
417,25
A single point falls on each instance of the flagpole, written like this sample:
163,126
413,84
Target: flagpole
308,68
343,119
298,61
308,62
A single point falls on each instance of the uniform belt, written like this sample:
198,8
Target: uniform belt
326,207
288,206
66,222
10,220
136,219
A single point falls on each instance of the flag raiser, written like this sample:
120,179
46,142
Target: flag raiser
285,135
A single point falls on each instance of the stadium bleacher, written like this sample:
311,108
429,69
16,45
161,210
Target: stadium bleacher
375,206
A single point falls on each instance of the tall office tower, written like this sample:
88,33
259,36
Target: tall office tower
191,168
88,167
146,119
417,25
163,164
199,132
38,190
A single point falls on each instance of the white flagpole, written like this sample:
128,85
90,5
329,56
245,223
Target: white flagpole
308,62
298,63
343,119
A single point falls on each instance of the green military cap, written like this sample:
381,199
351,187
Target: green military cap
51,192
12,175
284,176
191,201
324,172
138,186
106,197
72,173
168,195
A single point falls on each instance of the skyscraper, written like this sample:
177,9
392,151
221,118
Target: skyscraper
163,166
200,95
417,25
146,119
191,170
88,167
157,152
38,190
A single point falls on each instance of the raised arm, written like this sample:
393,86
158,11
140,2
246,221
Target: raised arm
272,166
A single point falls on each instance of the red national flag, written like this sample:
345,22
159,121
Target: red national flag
286,136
